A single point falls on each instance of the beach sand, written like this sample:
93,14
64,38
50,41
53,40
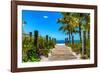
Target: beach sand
60,52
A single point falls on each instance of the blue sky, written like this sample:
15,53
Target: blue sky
45,22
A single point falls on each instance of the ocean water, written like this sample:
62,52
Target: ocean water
63,41
60,42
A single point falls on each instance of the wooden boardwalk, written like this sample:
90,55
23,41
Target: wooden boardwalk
61,52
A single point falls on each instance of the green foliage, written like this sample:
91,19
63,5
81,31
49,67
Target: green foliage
70,22
76,47
35,46
31,55
88,47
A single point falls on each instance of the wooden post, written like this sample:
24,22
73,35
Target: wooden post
50,38
65,41
30,34
46,38
36,38
47,41
55,40
36,41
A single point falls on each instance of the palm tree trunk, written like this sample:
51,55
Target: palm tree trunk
72,39
81,42
80,32
84,43
69,37
88,34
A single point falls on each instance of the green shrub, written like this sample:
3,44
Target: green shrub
77,47
31,56
35,46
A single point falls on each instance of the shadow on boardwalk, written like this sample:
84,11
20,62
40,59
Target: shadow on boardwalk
60,52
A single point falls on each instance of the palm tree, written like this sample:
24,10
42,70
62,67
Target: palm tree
88,25
70,22
86,29
81,17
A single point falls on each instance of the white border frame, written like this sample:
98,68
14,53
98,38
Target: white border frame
53,63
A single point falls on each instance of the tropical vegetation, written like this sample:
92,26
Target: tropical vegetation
72,23
35,45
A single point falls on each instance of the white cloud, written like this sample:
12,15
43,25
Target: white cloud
45,17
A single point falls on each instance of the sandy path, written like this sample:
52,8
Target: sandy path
60,52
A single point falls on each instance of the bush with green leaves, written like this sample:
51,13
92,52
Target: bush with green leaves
77,47
35,46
